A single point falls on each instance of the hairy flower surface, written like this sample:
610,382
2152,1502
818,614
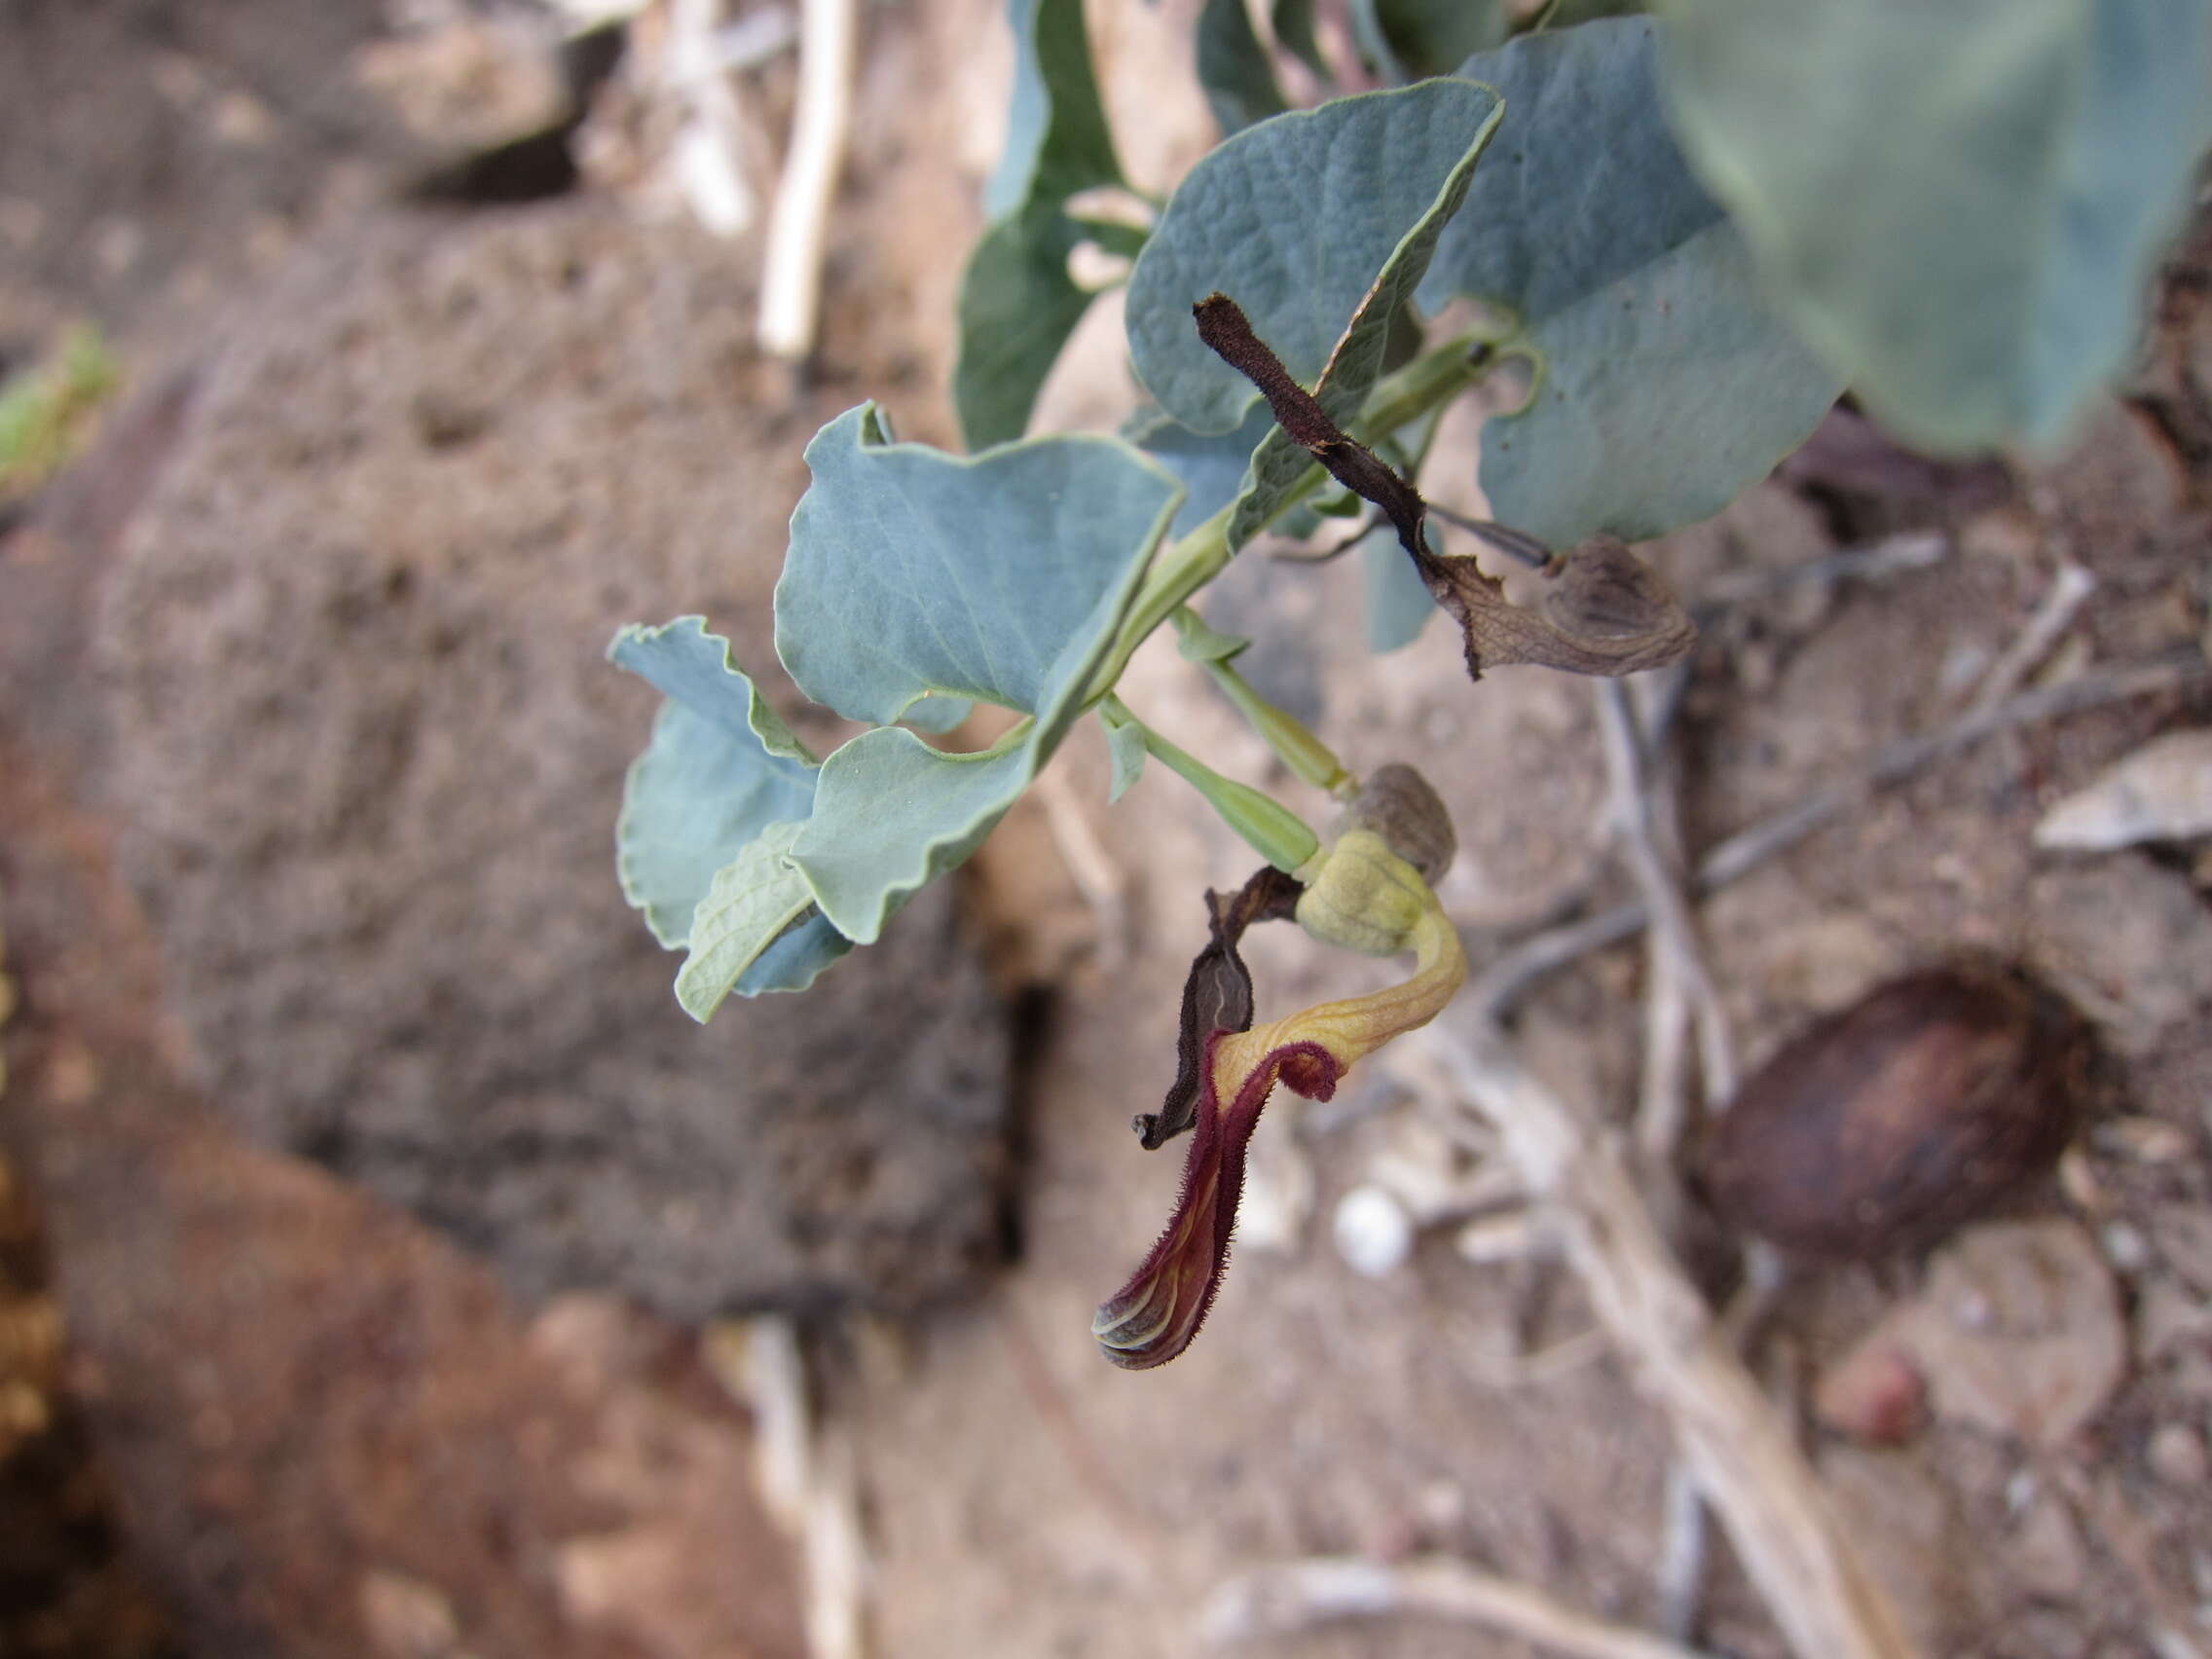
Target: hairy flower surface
1152,1319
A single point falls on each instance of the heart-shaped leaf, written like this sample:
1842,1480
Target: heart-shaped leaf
1961,204
1661,396
1586,224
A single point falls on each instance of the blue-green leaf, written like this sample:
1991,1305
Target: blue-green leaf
755,899
1124,746
1211,465
1397,602
1233,71
1961,204
1662,395
688,665
1296,220
893,814
1017,302
719,768
1586,224
914,572
1355,362
1001,576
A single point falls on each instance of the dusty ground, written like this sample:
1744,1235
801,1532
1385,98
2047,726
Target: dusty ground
334,1433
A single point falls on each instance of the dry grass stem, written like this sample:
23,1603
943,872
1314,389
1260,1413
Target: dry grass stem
1511,975
1293,1596
1745,1459
790,287
2068,591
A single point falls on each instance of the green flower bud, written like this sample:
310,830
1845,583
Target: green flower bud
1361,895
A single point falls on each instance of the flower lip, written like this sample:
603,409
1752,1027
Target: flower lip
1152,1317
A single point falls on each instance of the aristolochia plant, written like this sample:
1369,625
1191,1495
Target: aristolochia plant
1956,215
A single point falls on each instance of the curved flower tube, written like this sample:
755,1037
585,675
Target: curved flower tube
1152,1319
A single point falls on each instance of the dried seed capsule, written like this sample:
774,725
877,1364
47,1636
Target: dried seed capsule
1887,1125
1398,805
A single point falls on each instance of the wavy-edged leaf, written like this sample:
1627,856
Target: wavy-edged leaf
1662,395
1300,220
719,768
754,900
894,814
1001,576
1586,223
914,572
1961,204
1017,302
1233,71
687,664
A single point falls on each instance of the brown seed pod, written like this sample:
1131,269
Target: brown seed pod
1398,804
1887,1125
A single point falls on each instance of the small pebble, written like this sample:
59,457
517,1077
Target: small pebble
1374,1235
2126,1247
2176,1454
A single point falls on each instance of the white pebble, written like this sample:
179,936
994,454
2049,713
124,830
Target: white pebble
1373,1233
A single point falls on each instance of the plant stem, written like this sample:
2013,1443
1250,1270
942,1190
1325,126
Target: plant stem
1275,831
1293,742
1427,383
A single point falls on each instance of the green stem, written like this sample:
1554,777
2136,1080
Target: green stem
1429,382
1292,740
1275,831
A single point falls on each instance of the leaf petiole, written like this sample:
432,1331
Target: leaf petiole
1272,829
1292,740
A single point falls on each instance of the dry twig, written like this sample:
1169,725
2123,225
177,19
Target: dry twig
1683,994
1295,1594
1744,1457
791,288
1914,550
2068,591
1510,975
